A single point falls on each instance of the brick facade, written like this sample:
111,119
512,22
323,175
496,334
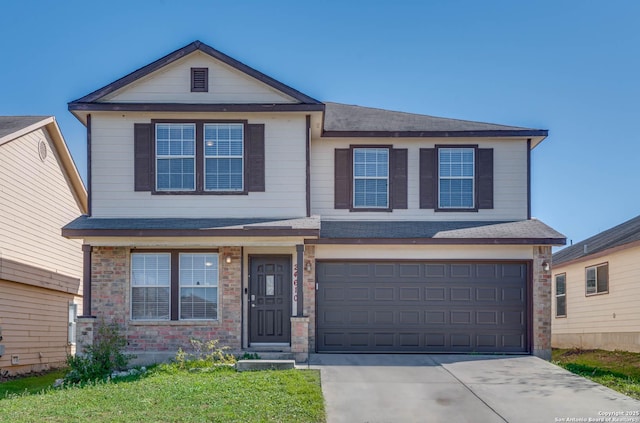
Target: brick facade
541,302
159,340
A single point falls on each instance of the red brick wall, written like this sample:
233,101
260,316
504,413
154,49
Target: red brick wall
110,300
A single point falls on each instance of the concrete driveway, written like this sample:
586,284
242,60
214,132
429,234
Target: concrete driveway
462,388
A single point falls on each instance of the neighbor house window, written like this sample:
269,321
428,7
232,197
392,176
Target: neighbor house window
371,178
175,157
198,286
223,155
597,279
73,319
561,295
456,178
150,286
193,276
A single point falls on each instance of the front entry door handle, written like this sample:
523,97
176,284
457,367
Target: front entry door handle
253,297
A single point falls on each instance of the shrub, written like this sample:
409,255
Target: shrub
204,354
100,359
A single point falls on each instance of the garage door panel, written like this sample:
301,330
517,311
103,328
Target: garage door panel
427,307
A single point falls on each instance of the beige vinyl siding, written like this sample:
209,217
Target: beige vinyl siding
34,325
510,179
172,84
112,169
36,202
424,252
589,318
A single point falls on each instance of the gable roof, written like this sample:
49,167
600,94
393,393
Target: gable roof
618,236
13,127
344,120
84,103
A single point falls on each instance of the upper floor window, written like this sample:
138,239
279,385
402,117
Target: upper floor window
223,155
561,295
371,178
175,157
456,178
597,279
199,157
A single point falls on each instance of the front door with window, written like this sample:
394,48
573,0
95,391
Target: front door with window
270,299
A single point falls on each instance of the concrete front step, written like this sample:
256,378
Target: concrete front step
245,365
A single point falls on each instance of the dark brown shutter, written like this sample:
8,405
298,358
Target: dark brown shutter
254,165
485,178
199,80
428,178
399,178
343,178
143,176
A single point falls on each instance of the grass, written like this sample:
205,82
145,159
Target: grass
30,384
166,394
618,370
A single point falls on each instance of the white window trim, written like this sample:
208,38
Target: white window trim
73,319
193,157
205,157
472,178
147,286
387,178
217,287
556,295
586,279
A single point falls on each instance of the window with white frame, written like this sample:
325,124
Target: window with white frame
223,155
150,286
561,295
175,157
371,178
198,286
194,280
73,318
597,279
456,178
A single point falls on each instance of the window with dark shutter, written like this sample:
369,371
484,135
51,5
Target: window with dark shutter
254,146
485,178
428,180
342,178
143,175
199,80
399,178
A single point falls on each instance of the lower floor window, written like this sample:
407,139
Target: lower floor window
155,276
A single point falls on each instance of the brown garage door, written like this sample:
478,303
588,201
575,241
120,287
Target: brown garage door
422,307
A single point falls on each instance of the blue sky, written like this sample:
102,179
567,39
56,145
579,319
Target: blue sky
572,67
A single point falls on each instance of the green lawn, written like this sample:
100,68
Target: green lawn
178,395
31,384
618,370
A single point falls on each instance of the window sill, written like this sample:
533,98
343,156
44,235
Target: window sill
473,210
199,193
596,294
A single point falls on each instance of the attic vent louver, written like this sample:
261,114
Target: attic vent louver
199,80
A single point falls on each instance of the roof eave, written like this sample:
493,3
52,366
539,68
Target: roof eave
440,241
597,254
541,133
195,107
155,233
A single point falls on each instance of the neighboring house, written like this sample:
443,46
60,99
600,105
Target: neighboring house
596,291
40,271
225,204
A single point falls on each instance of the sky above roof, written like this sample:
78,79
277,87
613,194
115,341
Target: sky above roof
570,67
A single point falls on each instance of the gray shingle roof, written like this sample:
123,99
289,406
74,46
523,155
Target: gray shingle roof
525,231
11,124
92,223
348,118
617,236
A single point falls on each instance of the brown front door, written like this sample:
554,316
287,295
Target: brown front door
270,299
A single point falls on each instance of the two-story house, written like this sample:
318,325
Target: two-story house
225,204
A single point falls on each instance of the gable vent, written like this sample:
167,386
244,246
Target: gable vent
199,80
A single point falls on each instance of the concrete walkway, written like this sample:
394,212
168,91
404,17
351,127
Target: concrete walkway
462,388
